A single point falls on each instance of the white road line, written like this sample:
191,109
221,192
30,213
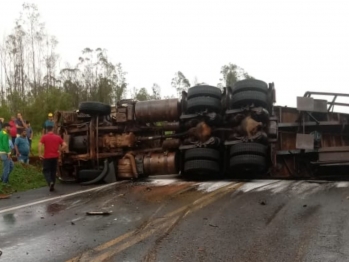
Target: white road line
58,197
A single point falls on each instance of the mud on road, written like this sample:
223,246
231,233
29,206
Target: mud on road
170,220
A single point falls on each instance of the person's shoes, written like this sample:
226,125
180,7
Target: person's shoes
52,187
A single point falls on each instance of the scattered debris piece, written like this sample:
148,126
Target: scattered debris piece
205,218
263,203
3,196
98,213
72,223
304,205
42,217
211,225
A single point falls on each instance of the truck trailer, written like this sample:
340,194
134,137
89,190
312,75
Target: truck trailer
208,133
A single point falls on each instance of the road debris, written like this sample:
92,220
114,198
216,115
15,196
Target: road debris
263,203
211,225
3,196
98,213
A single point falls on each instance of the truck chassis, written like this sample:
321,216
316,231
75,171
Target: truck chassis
207,134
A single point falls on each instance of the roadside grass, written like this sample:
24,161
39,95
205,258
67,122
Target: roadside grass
35,143
22,178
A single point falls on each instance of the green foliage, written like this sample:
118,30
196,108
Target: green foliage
22,178
142,94
232,73
35,143
180,83
47,101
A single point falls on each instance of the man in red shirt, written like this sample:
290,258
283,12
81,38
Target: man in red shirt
52,143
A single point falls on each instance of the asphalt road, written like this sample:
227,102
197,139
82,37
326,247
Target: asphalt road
169,220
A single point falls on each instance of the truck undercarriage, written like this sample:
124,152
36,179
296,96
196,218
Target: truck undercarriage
207,134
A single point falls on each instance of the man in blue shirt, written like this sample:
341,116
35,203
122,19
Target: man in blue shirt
29,134
48,123
22,148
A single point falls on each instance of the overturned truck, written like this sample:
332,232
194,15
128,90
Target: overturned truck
208,133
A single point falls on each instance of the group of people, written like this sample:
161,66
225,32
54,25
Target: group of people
16,139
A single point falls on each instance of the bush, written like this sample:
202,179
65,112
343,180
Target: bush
22,178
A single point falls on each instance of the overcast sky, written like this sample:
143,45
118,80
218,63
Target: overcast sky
298,45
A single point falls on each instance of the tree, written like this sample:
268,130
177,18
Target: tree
232,73
180,83
120,87
156,92
94,77
141,94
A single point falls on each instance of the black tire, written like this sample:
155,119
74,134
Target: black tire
248,148
198,104
258,99
94,108
204,90
250,85
248,162
202,153
201,167
88,175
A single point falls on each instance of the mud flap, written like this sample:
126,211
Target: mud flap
111,174
100,177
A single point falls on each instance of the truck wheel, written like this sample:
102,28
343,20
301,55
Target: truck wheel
248,163
250,85
202,154
201,103
94,108
248,148
258,99
204,90
201,167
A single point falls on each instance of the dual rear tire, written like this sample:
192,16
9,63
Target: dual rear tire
248,158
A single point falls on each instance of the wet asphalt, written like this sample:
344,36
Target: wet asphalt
171,220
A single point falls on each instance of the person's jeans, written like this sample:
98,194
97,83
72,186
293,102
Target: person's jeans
50,169
23,159
7,167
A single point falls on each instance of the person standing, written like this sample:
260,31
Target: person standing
29,134
13,129
5,153
51,143
20,124
22,148
48,123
